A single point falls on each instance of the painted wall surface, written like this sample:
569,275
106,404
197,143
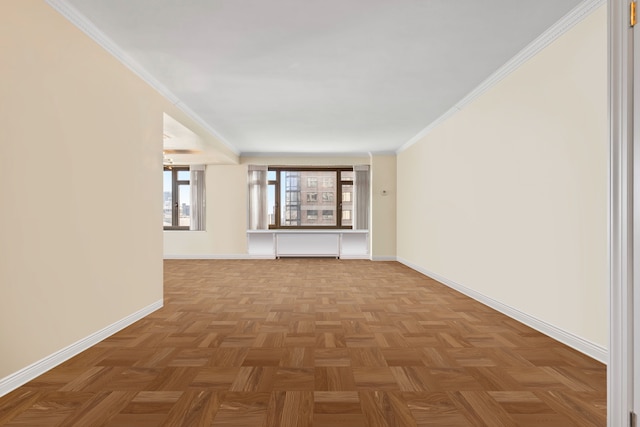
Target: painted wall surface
383,206
509,196
81,227
226,225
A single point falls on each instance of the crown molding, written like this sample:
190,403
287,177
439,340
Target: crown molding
558,29
575,16
383,153
268,154
86,26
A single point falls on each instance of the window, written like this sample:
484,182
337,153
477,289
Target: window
184,197
307,197
295,202
177,198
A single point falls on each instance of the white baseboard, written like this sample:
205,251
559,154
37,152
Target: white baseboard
263,256
354,256
15,380
214,256
384,258
592,350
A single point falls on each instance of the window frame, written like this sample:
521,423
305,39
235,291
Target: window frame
175,196
339,182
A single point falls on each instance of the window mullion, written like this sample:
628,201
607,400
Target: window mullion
339,200
278,201
175,197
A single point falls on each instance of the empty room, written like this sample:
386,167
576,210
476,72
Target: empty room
342,213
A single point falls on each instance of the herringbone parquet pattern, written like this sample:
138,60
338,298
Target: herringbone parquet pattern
316,342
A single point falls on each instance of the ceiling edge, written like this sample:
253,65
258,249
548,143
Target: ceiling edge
572,18
86,26
269,154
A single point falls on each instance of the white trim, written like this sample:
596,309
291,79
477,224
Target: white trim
584,346
634,307
214,256
86,26
347,154
354,256
563,25
621,216
15,380
282,154
572,18
266,256
308,231
383,153
384,258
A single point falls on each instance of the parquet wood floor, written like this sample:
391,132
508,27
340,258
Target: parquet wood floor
316,342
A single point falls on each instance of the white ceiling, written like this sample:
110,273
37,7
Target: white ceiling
338,76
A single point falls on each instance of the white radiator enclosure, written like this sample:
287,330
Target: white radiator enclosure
308,243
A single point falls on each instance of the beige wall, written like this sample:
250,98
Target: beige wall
226,225
383,207
81,223
509,196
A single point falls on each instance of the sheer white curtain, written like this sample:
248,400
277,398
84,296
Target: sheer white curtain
258,197
362,184
198,212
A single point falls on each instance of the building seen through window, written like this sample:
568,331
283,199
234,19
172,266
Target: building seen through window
314,197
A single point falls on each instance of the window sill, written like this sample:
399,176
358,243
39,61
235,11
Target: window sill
170,230
308,230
